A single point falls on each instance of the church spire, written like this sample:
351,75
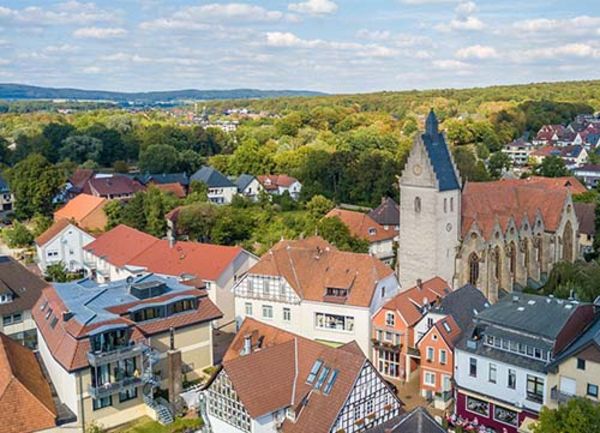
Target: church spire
431,124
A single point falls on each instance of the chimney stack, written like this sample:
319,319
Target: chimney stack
419,284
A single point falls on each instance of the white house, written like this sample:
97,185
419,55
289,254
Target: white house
220,189
501,364
123,252
277,184
249,186
273,380
310,288
62,242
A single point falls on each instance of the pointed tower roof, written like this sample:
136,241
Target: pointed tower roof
439,155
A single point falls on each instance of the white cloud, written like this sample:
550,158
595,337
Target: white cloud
373,35
477,52
466,8
468,23
314,7
570,25
61,49
576,50
91,70
228,12
451,65
426,2
99,32
71,12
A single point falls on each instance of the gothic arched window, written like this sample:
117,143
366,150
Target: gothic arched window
498,265
568,242
417,204
473,269
513,258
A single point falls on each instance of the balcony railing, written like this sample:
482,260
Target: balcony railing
99,358
560,397
535,398
386,344
108,389
444,395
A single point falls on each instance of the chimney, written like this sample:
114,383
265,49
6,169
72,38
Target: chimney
419,284
247,344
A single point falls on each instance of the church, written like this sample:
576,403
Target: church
499,236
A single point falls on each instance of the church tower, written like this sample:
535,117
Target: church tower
430,210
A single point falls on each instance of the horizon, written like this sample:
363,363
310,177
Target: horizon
331,46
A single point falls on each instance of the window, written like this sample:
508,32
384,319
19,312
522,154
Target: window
330,382
313,371
592,390
99,403
512,379
128,394
389,362
535,389
451,204
430,354
473,269
505,416
324,372
429,378
477,406
445,205
472,367
492,373
429,322
418,204
287,315
12,319
267,311
248,308
580,364
334,322
443,357
390,320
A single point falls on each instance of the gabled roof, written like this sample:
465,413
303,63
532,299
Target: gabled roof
586,216
462,304
24,286
416,421
53,231
212,178
174,188
409,303
590,337
243,181
26,403
362,225
163,178
312,265
387,213
273,181
80,178
449,330
120,245
78,208
114,184
439,155
273,376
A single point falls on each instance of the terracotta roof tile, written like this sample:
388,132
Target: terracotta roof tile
311,265
53,231
24,286
121,244
362,225
272,181
26,403
586,216
174,188
79,208
116,184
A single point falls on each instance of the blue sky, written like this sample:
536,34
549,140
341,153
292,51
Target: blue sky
335,46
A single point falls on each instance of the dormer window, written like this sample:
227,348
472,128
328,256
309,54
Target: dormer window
372,231
6,298
337,292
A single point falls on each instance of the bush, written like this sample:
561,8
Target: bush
17,236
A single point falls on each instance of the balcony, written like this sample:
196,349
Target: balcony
109,389
560,397
385,344
535,398
100,358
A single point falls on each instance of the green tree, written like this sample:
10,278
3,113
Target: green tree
318,206
17,236
57,272
469,166
337,233
41,223
198,192
253,158
233,226
498,163
552,166
80,148
197,221
159,158
34,183
578,415
114,213
56,133
121,166
133,213
154,208
189,161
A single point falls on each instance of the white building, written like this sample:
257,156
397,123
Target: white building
123,252
272,380
277,184
62,243
220,189
501,363
310,288
249,186
518,151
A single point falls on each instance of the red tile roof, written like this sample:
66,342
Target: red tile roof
114,185
26,403
174,188
362,225
312,265
272,181
53,231
120,245
79,207
409,303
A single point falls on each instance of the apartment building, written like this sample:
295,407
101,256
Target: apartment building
501,362
275,380
312,289
108,347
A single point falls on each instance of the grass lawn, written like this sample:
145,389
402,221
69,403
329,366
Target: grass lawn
147,425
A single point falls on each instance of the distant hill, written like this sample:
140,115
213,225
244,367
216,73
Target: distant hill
22,91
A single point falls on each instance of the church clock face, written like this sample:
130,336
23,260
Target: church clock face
448,227
417,170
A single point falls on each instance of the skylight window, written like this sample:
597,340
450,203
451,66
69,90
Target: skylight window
314,371
447,327
332,377
322,377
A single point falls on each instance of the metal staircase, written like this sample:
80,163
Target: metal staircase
160,406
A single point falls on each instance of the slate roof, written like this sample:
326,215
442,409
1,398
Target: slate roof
26,403
586,215
362,225
439,155
212,178
181,178
312,265
416,421
243,181
25,286
387,213
590,337
114,184
462,304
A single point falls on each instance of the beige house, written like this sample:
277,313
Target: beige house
108,347
576,371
